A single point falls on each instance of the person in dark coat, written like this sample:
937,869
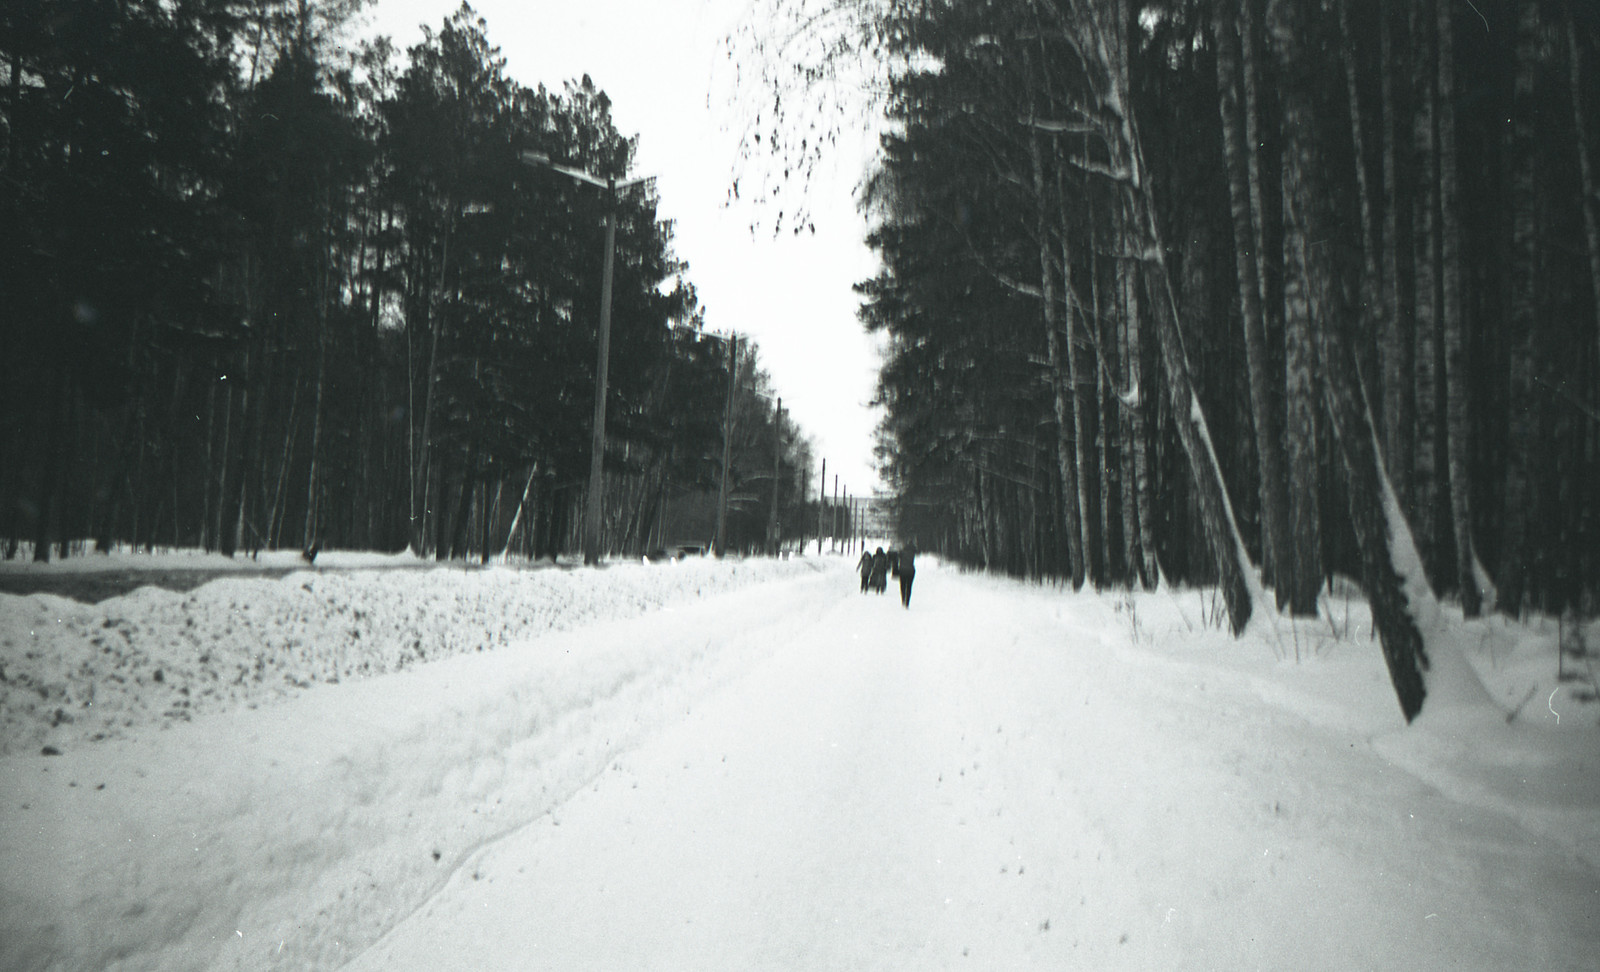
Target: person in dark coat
908,573
880,570
864,565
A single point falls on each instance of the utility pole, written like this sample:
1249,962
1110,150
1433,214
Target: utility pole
597,443
834,543
849,524
822,505
773,528
852,511
719,540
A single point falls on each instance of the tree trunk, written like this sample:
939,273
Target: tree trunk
1126,393
1103,441
1080,407
1425,257
1275,542
280,480
1371,301
1394,337
1591,227
1300,290
311,534
1255,145
1138,517
47,495
1234,570
522,505
420,506
233,508
250,422
1512,578
1094,327
1379,528
1102,39
1375,517
1233,564
1457,425
219,533
981,508
436,503
489,508
1052,327
1300,382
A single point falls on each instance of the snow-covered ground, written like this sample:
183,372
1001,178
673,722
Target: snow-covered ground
71,672
752,766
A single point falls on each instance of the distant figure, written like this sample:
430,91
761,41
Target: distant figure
908,573
864,565
880,570
894,562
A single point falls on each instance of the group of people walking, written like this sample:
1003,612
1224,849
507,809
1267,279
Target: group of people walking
877,567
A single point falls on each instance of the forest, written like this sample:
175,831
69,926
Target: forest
264,284
1245,293
1159,278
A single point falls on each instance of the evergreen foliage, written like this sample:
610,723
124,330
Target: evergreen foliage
1327,190
261,286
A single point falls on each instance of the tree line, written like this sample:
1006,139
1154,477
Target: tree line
1237,292
264,286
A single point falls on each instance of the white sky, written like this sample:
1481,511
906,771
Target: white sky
655,58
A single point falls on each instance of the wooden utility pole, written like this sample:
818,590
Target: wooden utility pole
773,527
719,540
849,524
833,544
597,442
822,503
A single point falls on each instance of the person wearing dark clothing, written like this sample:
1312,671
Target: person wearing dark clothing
880,570
908,573
864,565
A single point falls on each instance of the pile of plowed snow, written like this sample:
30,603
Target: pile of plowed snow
74,673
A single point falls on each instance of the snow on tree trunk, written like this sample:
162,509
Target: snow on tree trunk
1425,664
1100,36
1449,683
1144,488
1133,538
1052,327
1080,406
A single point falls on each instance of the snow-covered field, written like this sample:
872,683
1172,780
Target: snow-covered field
752,766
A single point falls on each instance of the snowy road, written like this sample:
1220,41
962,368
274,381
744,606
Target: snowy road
998,779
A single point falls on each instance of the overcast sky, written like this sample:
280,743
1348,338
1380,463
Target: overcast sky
655,59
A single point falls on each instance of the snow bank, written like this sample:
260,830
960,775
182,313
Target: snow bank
289,835
1241,794
72,673
1510,753
126,558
